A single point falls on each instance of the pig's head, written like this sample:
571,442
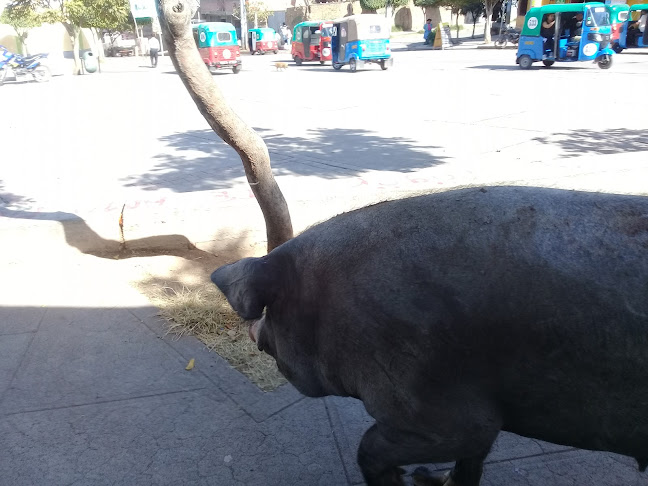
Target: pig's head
253,285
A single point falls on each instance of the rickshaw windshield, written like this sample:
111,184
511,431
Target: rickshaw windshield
224,36
326,31
597,17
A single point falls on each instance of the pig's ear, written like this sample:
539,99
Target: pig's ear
246,285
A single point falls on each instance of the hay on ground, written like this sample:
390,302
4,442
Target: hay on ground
204,312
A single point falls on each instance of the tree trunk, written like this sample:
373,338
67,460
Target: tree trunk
75,36
487,28
98,43
175,16
457,25
474,25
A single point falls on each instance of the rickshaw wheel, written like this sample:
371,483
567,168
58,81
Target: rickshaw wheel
322,62
525,61
617,48
548,62
605,62
337,66
298,60
236,69
276,51
383,65
353,67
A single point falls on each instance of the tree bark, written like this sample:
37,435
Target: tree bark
487,27
175,16
75,38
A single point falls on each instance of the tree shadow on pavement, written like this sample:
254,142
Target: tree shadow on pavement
584,142
199,160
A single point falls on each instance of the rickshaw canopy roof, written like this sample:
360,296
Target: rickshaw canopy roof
216,26
311,23
615,7
561,7
639,6
535,16
365,26
264,30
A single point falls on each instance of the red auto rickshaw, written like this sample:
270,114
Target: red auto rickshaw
312,41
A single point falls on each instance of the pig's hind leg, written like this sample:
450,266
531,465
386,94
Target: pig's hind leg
383,449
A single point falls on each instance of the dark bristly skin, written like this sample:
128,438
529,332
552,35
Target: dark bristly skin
455,315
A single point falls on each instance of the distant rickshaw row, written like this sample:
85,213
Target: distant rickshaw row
356,41
581,32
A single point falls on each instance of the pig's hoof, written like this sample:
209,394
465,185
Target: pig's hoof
423,477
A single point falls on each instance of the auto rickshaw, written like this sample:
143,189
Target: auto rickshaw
362,39
218,46
618,16
571,40
631,34
262,41
311,41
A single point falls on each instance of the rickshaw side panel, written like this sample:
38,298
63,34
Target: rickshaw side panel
530,46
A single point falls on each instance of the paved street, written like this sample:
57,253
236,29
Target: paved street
93,392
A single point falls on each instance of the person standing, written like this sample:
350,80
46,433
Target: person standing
427,29
154,49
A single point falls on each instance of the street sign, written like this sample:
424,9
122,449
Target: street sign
143,9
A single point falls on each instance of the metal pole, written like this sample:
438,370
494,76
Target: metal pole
556,35
138,44
244,29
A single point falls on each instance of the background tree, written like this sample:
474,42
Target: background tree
257,13
22,17
175,20
476,9
489,7
371,6
77,14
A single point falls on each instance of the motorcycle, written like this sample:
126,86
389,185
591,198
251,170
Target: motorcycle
23,66
509,35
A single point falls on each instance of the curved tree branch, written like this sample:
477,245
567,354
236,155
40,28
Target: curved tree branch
175,20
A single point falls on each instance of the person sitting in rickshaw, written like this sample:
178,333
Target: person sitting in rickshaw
547,31
575,27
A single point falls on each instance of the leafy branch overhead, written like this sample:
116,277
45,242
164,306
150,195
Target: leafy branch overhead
73,15
258,9
373,5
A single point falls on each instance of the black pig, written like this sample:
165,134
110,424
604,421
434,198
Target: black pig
455,315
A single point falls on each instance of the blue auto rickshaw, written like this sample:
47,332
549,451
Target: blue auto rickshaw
578,32
359,40
634,31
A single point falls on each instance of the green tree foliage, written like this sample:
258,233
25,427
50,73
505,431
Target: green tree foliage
476,9
256,11
78,14
22,17
373,5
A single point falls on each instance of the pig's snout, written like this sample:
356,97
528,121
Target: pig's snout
254,330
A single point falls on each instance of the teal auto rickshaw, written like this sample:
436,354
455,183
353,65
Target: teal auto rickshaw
359,40
262,41
218,46
566,33
634,31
